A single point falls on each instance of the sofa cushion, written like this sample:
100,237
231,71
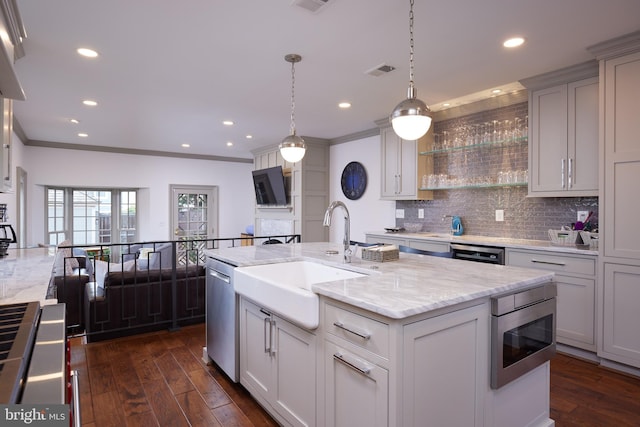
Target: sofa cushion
103,268
64,262
159,256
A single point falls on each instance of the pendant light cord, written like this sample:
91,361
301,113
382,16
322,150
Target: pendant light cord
411,44
293,101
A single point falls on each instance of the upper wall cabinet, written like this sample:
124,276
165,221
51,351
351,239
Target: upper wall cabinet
402,167
563,133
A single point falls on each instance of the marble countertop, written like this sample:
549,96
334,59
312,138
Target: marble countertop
505,242
25,274
414,284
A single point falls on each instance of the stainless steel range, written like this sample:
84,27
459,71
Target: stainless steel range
34,356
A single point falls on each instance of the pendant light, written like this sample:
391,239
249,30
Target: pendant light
411,118
292,148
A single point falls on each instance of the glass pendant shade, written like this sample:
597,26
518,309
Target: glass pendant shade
411,119
292,148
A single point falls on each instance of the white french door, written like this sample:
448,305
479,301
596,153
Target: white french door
194,212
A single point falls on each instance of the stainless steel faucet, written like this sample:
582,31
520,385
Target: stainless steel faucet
327,222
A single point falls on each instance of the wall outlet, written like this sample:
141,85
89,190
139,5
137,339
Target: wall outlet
420,213
499,214
399,213
582,215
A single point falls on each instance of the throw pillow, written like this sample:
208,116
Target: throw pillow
65,262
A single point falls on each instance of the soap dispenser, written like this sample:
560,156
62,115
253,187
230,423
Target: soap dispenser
456,226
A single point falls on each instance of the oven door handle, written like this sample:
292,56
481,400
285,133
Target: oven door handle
75,389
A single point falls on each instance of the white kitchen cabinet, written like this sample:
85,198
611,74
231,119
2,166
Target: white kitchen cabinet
432,348
406,372
575,276
619,293
621,317
6,181
357,390
278,364
402,167
563,140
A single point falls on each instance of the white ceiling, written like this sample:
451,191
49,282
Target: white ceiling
169,72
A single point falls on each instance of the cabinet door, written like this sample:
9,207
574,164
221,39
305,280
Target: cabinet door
446,369
576,312
619,201
621,317
295,387
407,169
390,160
256,363
582,172
548,139
356,390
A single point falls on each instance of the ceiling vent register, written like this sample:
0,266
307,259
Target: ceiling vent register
313,6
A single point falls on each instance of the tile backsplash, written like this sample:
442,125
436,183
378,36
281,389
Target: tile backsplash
524,217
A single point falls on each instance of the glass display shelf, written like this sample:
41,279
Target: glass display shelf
470,186
500,143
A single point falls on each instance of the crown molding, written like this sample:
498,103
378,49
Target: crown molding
565,75
615,47
133,151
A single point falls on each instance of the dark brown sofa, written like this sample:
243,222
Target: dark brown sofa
138,301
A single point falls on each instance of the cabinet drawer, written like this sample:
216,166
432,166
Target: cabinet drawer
568,264
362,331
428,245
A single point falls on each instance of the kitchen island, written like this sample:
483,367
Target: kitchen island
25,274
407,344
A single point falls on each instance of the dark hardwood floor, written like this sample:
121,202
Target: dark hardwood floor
159,379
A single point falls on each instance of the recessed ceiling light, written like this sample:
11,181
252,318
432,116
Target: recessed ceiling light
229,144
89,53
344,105
185,145
495,91
74,121
446,104
83,135
89,103
513,42
249,136
227,123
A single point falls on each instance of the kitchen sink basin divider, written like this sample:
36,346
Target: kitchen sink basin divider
139,293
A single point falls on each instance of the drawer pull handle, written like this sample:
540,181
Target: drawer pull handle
340,358
562,264
363,335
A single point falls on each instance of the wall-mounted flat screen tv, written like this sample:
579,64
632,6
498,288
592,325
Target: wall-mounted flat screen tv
270,186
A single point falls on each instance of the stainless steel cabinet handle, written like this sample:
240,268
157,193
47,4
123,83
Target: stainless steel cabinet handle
562,173
365,335
267,346
570,174
537,261
340,358
220,276
75,389
272,340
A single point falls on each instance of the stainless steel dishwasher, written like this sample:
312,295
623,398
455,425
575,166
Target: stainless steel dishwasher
222,318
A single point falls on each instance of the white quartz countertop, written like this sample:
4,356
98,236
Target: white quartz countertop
25,274
414,284
470,239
